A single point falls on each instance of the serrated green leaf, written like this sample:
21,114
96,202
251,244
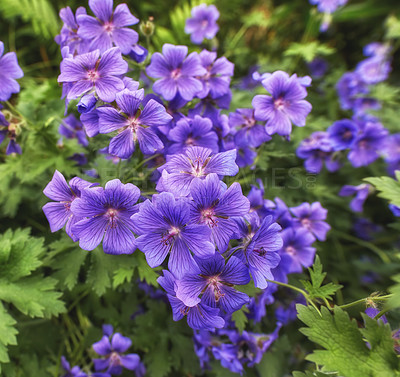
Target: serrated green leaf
240,318
308,51
394,301
388,188
7,334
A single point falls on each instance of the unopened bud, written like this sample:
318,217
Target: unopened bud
147,28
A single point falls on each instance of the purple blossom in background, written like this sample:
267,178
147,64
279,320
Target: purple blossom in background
366,229
88,71
199,317
180,169
112,347
372,312
373,70
391,153
163,226
59,212
285,105
108,28
72,128
216,284
177,73
362,191
9,71
297,245
258,304
362,105
71,372
342,134
317,150
192,132
349,87
318,67
214,205
133,124
311,217
218,77
395,210
203,23
8,130
328,6
246,130
377,49
106,214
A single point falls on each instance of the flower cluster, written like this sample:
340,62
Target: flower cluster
327,7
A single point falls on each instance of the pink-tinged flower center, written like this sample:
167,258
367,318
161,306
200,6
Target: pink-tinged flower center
290,250
279,103
169,237
208,217
176,73
204,24
115,359
190,141
215,282
93,75
133,123
363,144
306,223
249,122
108,27
112,217
198,167
67,206
261,251
347,135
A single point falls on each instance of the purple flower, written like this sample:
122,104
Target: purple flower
373,70
372,312
259,250
133,124
218,77
203,23
395,210
9,71
72,128
285,105
247,132
89,71
377,49
163,226
318,67
199,317
349,87
59,212
310,217
214,205
180,169
258,304
86,103
215,284
297,245
113,350
177,72
108,28
362,191
328,6
192,132
8,130
106,214
71,372
342,134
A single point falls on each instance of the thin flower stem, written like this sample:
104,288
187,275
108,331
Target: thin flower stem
381,313
364,300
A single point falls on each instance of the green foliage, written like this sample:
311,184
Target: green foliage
388,187
7,334
240,318
394,301
346,351
308,51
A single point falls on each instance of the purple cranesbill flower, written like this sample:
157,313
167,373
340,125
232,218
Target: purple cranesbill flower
342,134
260,246
373,70
366,229
317,149
247,132
362,191
258,203
202,341
215,205
106,214
113,348
133,123
297,245
180,169
318,67
192,132
89,71
228,356
363,105
9,130
368,144
215,284
395,210
68,36
203,23
177,73
284,106
349,87
199,317
9,71
218,77
164,228
72,128
138,53
377,49
59,212
86,103
257,305
373,312
311,217
71,372
328,6
108,28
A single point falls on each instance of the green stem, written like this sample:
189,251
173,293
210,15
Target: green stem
381,313
364,300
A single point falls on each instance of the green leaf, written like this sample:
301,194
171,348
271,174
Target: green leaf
240,318
346,352
308,51
388,188
7,334
394,301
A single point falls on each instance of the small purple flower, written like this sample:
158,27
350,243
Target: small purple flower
108,28
328,6
113,350
395,210
214,206
88,71
203,23
199,317
311,217
177,73
59,212
86,103
297,245
180,169
106,214
373,70
377,49
366,229
349,87
9,130
318,67
72,128
342,134
285,105
133,124
164,228
372,312
362,191
9,71
71,372
258,304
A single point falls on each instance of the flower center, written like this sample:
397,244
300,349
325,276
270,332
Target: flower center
363,144
112,217
108,27
306,223
347,135
208,217
290,250
169,238
190,141
93,75
204,24
115,359
279,103
176,73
